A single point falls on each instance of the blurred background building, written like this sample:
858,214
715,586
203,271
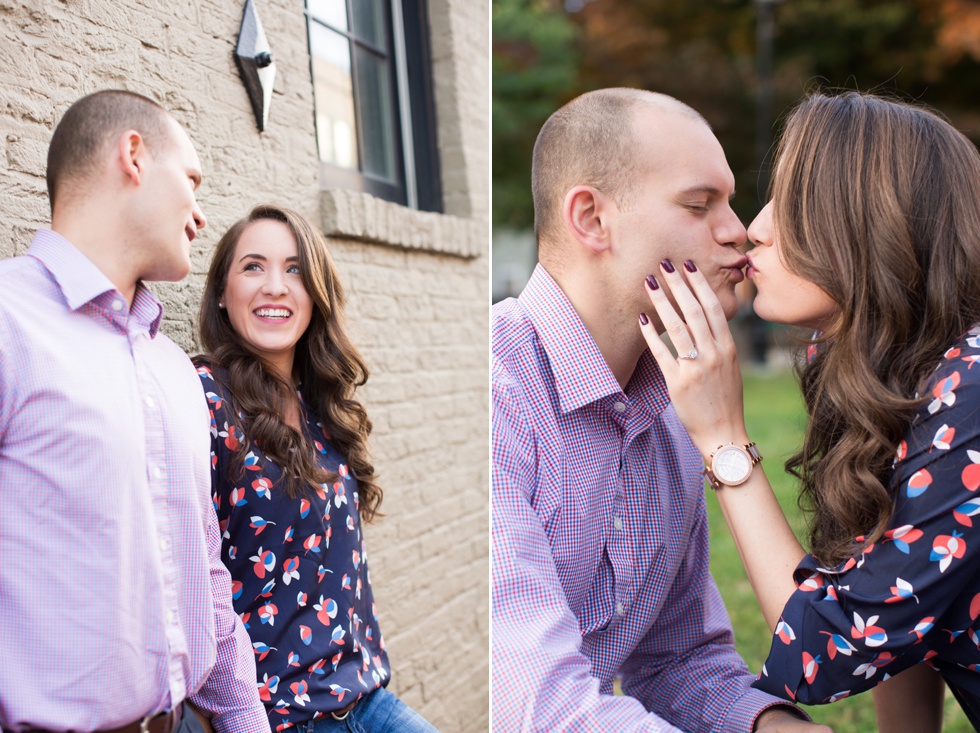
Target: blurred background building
377,129
741,63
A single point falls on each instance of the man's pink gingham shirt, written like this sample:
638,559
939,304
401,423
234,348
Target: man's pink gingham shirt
599,543
113,600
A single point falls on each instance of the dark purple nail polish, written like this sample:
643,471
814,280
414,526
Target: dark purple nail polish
667,265
652,282
643,319
690,266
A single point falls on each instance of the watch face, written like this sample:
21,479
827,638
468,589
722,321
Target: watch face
732,465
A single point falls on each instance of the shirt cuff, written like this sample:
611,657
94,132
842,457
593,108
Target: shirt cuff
249,721
743,713
788,707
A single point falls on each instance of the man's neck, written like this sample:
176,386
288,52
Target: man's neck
616,334
102,242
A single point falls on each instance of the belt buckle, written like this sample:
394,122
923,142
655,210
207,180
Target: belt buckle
343,712
149,718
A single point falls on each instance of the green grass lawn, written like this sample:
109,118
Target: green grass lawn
775,419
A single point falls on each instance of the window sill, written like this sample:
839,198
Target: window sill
354,215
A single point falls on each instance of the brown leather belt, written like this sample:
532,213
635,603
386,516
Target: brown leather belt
157,723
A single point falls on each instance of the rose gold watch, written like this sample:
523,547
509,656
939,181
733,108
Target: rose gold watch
731,465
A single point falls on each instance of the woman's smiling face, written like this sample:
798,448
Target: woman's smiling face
267,303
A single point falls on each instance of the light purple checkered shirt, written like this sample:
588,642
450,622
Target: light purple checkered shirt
113,600
600,543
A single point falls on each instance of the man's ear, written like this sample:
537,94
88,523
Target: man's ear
585,212
130,155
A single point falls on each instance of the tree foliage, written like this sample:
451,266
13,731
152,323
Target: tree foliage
535,71
704,53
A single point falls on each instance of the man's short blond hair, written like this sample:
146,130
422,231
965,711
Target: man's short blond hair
590,141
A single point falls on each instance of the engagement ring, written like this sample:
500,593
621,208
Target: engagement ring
692,354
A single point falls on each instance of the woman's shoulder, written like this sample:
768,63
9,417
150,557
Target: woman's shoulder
966,348
950,392
960,362
214,382
209,373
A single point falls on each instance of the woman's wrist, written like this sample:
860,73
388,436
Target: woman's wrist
731,464
711,442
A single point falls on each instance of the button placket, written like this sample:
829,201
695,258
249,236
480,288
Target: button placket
617,544
155,442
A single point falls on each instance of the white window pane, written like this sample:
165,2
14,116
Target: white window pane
333,12
333,95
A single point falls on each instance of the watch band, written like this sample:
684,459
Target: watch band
754,455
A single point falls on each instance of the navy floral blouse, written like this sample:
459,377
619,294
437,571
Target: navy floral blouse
299,574
913,596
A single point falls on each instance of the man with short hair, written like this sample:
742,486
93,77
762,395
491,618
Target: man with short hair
599,530
114,605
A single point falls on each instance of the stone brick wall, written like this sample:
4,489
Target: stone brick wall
417,282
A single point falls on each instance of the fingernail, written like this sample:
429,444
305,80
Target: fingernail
652,282
667,265
689,266
643,319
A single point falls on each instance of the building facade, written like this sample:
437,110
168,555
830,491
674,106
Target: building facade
407,226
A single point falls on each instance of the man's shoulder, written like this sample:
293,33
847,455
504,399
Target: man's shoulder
29,296
517,357
510,327
515,344
22,275
524,394
9,264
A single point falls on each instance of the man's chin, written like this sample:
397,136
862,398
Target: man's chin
172,274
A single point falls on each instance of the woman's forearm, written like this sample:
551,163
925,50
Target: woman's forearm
765,541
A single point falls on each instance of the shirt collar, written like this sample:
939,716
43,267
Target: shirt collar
81,282
581,373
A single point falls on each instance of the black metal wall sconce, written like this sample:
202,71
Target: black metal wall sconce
254,58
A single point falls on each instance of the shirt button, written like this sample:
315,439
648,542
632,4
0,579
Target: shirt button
157,473
619,609
163,545
170,617
619,406
618,523
149,401
117,305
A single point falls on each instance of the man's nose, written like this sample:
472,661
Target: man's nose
199,221
732,232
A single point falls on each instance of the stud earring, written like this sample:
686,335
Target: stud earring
220,304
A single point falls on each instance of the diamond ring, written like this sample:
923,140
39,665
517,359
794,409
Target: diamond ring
692,354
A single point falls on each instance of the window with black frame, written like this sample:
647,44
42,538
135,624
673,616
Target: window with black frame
375,121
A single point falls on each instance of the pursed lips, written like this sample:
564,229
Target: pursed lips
736,268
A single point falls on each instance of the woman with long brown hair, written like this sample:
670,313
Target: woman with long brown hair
292,477
871,239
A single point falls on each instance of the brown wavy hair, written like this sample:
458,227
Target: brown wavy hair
327,365
877,202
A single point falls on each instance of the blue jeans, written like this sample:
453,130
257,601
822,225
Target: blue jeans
379,712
